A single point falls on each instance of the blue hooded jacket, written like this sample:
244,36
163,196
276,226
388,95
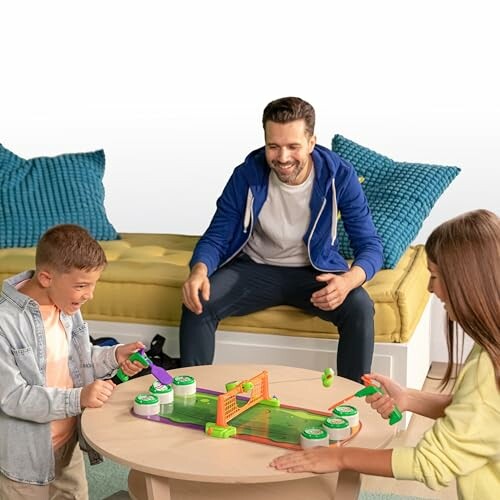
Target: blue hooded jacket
336,189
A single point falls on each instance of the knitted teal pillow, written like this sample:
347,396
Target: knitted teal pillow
42,192
400,196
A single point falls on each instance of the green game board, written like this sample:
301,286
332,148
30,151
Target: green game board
278,426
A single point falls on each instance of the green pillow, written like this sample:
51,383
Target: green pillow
39,193
400,196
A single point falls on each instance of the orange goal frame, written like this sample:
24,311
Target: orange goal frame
227,407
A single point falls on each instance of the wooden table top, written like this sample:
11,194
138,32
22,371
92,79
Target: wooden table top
189,454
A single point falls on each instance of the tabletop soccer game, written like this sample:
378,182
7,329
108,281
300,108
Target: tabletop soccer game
246,411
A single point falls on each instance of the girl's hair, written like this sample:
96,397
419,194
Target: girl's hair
67,247
289,109
466,251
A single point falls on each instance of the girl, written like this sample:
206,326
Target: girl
464,442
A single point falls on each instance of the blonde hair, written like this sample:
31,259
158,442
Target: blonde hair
466,251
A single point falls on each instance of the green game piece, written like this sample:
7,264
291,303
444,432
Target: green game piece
314,433
327,377
146,399
274,402
336,423
345,411
247,386
217,431
395,416
158,388
183,380
135,356
231,385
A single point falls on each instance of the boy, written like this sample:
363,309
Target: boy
49,370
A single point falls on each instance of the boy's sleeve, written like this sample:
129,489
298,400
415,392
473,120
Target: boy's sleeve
104,361
31,400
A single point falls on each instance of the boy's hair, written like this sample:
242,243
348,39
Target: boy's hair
289,109
466,251
66,247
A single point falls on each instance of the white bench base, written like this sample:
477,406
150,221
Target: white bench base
407,363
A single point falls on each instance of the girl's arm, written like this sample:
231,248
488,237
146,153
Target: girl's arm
427,404
333,459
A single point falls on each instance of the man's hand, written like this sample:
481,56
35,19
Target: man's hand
96,394
333,294
122,354
197,282
337,288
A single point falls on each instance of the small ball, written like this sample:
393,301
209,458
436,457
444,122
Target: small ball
327,377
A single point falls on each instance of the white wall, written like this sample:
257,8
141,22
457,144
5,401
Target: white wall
174,91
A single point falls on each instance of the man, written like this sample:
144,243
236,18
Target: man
272,241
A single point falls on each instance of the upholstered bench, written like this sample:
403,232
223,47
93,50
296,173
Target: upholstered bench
139,295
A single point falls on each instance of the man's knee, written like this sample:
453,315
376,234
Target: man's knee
356,315
359,303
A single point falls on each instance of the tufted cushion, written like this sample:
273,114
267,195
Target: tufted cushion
400,196
42,192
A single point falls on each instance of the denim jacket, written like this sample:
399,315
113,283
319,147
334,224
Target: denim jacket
27,406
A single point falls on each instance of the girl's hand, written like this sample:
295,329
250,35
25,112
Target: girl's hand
394,395
318,459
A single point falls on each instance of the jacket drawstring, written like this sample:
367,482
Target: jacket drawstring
248,211
334,213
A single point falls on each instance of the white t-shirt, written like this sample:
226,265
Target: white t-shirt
278,234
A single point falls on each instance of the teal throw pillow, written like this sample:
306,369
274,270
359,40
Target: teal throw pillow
39,193
400,196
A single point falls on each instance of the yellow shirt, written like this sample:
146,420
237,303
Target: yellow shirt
57,372
465,443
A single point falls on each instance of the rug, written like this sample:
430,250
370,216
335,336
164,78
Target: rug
108,481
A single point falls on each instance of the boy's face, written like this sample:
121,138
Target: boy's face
69,291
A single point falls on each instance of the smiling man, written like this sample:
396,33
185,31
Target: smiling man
273,241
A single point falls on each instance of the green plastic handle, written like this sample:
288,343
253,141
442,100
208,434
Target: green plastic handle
135,356
394,417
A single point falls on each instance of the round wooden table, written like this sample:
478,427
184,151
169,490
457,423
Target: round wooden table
171,462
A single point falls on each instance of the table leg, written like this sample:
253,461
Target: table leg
142,486
348,485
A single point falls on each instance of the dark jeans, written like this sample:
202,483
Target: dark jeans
243,287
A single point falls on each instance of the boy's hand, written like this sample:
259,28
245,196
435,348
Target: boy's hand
393,395
96,394
123,352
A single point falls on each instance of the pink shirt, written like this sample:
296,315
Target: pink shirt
57,373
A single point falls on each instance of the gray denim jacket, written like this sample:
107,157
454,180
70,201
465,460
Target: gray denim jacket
27,406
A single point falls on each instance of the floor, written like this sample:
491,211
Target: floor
416,428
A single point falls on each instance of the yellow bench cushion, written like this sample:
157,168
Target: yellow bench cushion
143,279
